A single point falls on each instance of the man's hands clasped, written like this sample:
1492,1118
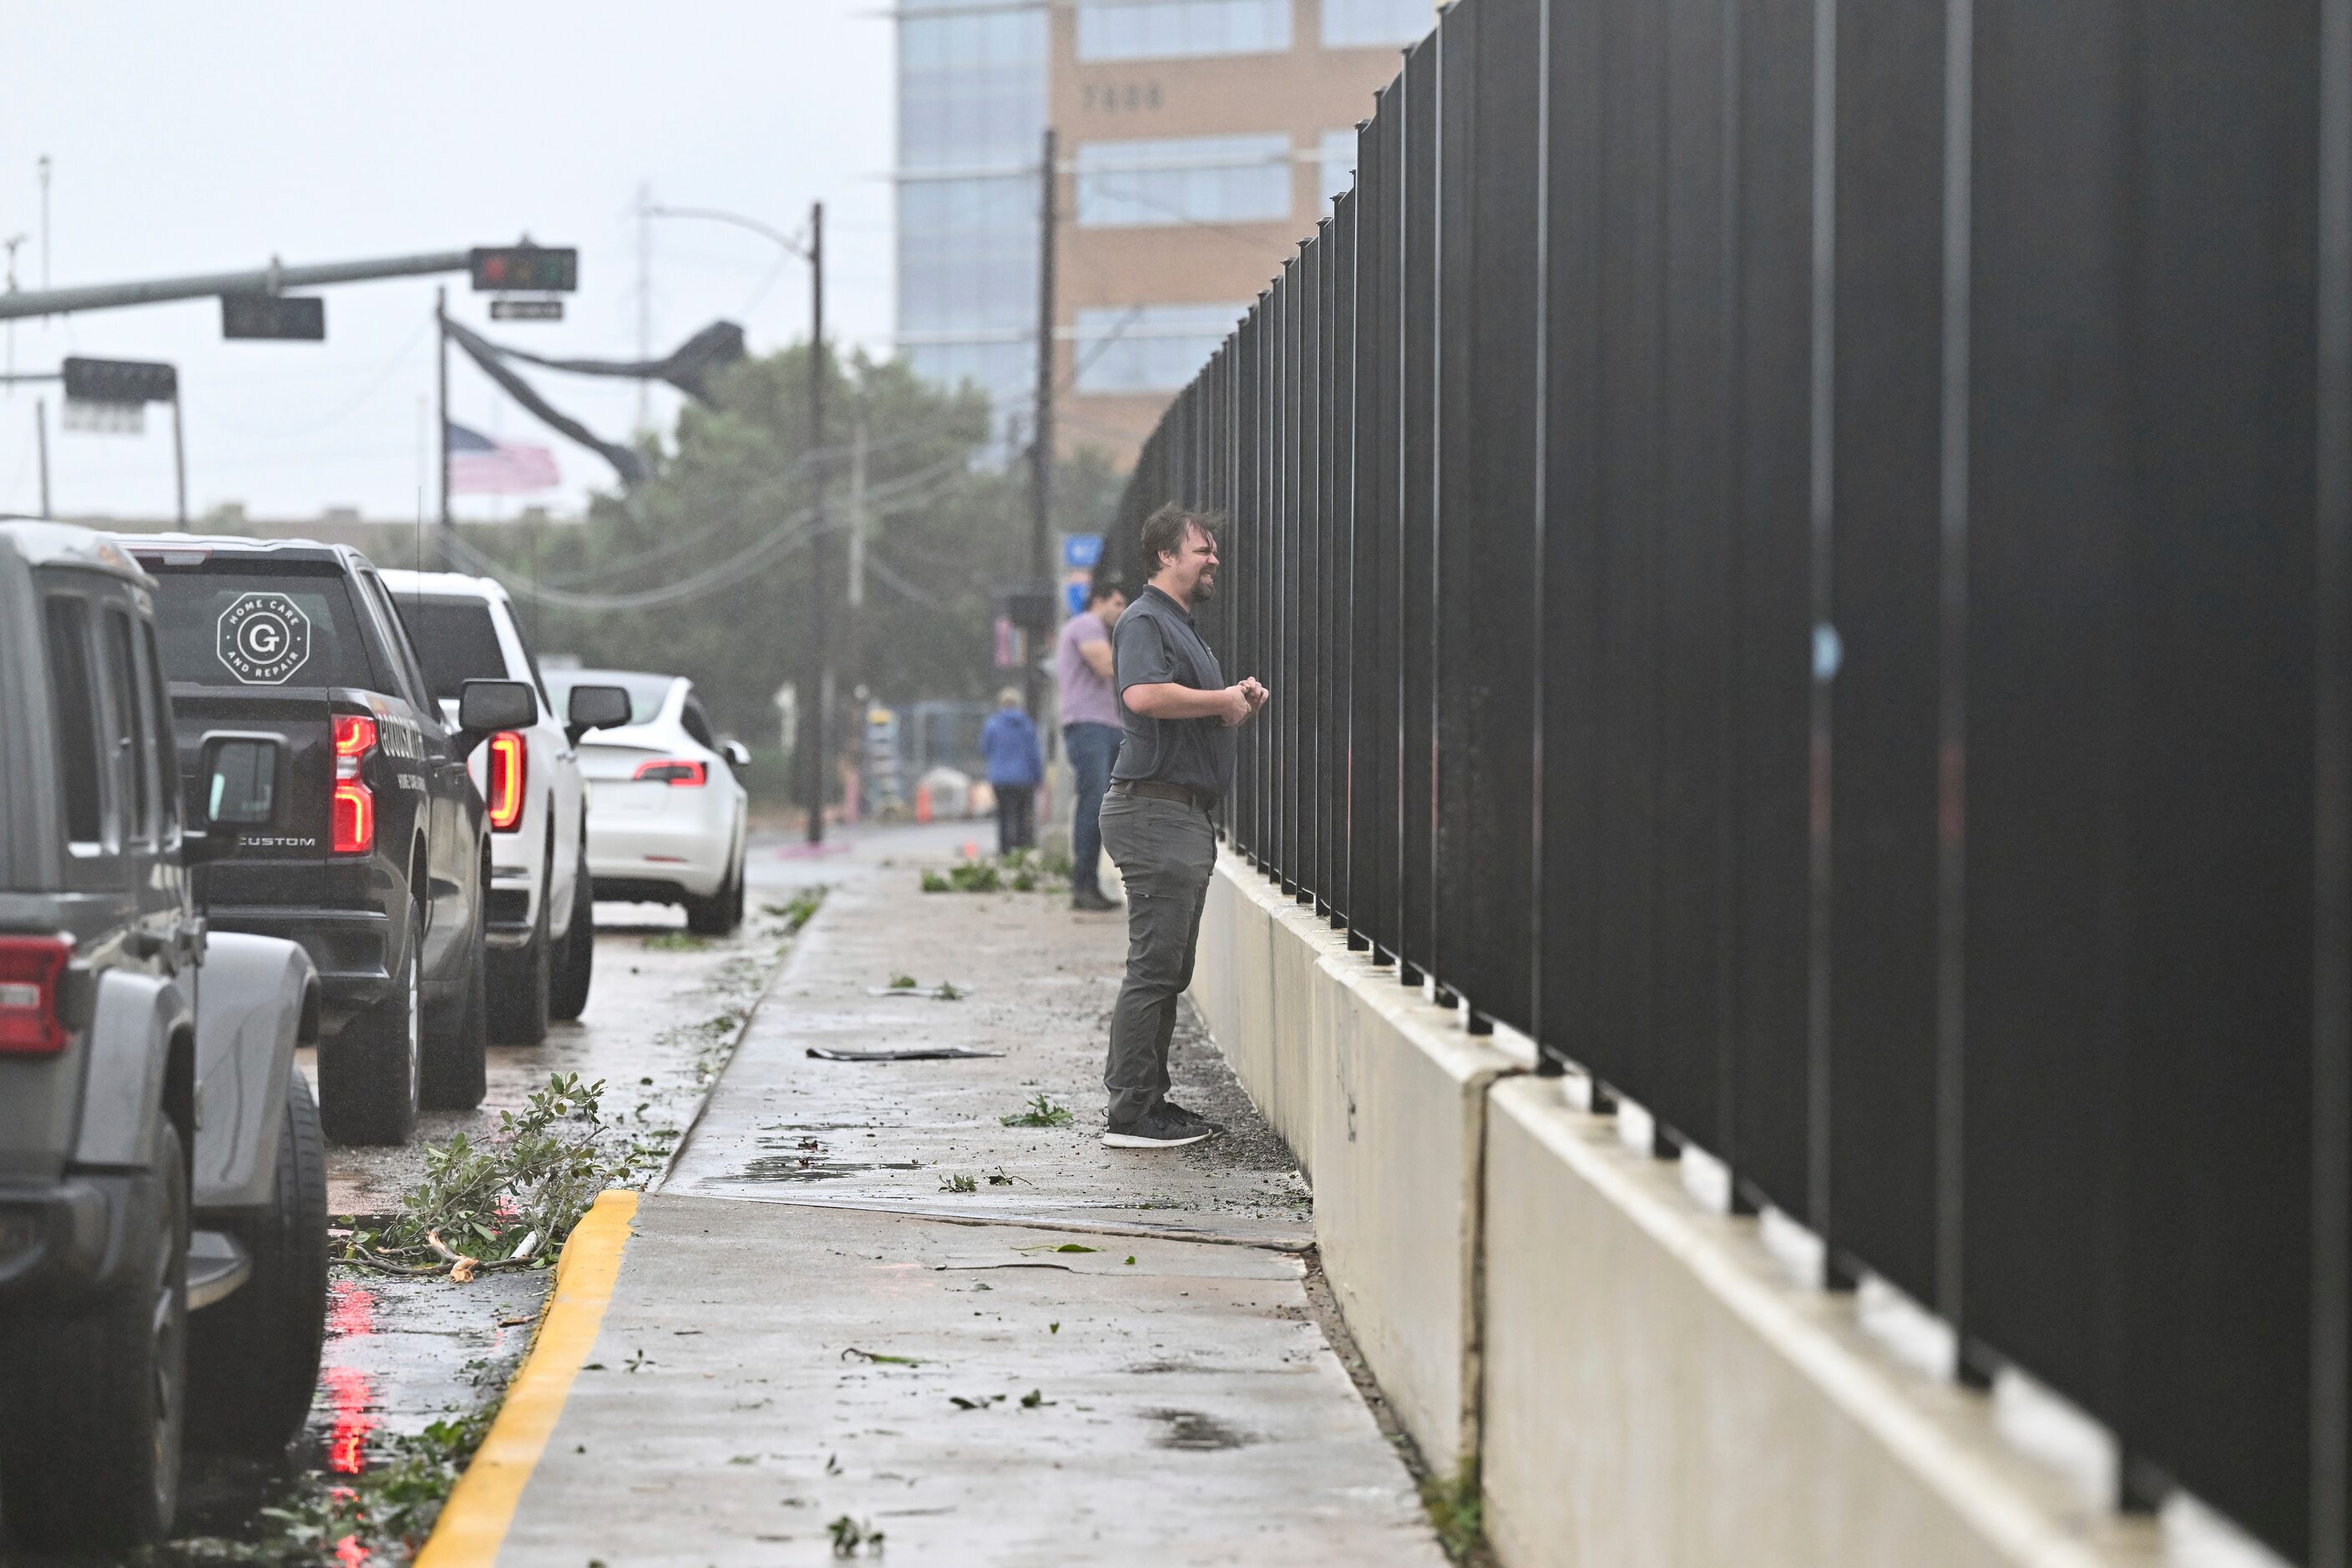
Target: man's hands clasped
1243,701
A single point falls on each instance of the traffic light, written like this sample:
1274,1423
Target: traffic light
525,268
123,381
301,318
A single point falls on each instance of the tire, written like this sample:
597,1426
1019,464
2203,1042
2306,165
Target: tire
97,1400
722,911
369,1073
521,984
576,960
253,1360
457,1057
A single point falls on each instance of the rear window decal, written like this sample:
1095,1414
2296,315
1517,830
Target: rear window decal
264,638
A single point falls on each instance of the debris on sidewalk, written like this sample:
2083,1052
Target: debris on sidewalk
918,1054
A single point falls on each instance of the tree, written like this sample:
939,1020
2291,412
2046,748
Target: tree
947,526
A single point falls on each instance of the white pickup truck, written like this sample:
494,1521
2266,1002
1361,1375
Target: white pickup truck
543,931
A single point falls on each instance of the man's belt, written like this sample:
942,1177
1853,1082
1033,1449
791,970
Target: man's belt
1153,789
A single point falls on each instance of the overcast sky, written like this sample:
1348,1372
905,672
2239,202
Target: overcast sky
196,138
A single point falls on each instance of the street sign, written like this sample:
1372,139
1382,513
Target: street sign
291,318
526,310
126,381
524,269
1082,550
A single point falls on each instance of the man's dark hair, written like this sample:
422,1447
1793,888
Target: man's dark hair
1102,588
1164,530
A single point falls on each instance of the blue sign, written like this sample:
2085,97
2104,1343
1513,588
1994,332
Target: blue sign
1082,551
1073,597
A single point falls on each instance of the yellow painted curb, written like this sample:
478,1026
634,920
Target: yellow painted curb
473,1524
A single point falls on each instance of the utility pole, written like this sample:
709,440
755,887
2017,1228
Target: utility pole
857,526
43,164
1041,438
441,330
816,687
645,298
12,242
41,439
179,457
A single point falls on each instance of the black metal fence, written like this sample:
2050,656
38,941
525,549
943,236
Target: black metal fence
1802,553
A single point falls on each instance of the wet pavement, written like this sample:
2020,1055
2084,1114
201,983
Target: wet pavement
862,1301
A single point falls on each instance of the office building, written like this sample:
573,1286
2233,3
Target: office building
1200,142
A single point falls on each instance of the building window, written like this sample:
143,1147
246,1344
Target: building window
1169,29
971,87
1339,163
1190,179
1359,23
1148,348
1005,369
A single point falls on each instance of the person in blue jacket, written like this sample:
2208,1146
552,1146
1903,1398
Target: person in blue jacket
1016,768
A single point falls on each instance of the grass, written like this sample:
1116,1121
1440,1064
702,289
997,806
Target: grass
1021,871
796,910
902,983
1039,1112
1457,1514
959,1184
676,942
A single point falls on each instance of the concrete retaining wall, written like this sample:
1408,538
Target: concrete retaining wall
1382,1098
1641,1383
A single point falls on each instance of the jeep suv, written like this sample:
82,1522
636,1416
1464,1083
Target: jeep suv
159,1155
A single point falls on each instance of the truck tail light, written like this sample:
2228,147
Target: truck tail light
353,806
679,772
31,968
509,770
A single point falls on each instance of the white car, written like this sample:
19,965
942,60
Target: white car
665,822
541,926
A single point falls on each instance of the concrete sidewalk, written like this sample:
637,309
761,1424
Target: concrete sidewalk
1092,1356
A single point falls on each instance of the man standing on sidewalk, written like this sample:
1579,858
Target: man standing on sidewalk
1175,762
1090,730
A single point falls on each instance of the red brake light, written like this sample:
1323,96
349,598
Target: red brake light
355,734
510,769
352,808
30,968
679,772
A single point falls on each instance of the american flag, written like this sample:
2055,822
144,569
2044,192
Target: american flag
482,467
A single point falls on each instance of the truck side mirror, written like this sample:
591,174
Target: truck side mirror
487,707
240,774
595,708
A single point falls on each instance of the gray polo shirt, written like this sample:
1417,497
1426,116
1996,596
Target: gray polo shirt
1154,642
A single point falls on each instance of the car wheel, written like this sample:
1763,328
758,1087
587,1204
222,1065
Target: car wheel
719,913
576,960
520,981
95,1400
368,1074
253,1360
456,1069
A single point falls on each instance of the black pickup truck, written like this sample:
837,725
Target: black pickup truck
382,867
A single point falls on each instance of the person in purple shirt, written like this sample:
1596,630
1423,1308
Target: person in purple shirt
1016,768
1090,730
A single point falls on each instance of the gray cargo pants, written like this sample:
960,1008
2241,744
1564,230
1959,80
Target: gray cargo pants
1165,850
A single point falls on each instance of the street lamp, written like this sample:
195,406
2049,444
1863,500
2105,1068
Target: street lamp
809,742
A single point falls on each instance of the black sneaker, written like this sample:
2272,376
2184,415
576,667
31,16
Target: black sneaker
1089,899
1192,1117
1154,1129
